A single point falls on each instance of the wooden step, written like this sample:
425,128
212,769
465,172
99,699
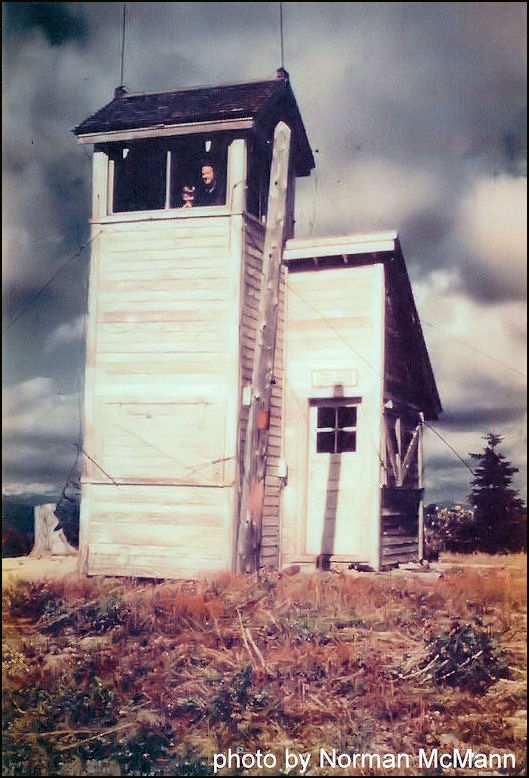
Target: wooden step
398,540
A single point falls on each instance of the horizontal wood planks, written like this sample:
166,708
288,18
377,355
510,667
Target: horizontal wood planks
133,528
166,316
162,397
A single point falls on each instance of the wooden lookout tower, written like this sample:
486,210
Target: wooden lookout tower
250,399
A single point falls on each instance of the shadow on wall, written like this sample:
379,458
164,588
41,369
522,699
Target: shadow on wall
331,502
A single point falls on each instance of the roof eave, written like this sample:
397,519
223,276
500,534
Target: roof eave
163,130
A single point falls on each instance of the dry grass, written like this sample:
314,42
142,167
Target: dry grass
112,676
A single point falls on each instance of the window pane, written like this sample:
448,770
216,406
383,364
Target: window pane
193,166
347,416
346,441
326,417
140,177
325,443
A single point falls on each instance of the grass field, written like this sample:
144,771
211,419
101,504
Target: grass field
127,677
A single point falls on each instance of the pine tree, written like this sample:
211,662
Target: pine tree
499,514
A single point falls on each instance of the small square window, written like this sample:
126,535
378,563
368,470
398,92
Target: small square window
336,429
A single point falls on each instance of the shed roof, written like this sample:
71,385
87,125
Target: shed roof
263,102
314,254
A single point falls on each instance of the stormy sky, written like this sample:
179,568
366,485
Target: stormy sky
416,115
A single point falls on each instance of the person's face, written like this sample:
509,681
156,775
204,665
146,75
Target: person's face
208,174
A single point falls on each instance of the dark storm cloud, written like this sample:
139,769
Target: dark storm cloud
492,286
40,463
418,112
41,428
57,23
448,481
483,418
425,231
440,464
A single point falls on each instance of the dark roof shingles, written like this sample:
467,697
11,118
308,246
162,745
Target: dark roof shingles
255,100
190,105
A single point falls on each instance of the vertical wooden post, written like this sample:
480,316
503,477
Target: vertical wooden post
168,179
398,458
236,196
99,184
420,467
256,441
110,186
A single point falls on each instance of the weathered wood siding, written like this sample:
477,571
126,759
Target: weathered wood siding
162,396
270,538
252,279
334,344
404,383
251,284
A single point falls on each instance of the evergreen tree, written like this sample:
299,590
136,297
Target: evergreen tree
500,521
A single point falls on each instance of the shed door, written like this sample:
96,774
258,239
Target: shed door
334,525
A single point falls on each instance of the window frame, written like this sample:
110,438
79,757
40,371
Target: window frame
334,404
172,150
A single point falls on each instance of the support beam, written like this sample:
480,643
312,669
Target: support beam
256,440
420,463
99,184
409,454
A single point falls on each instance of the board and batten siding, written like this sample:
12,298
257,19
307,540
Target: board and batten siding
334,345
251,284
271,522
162,396
252,279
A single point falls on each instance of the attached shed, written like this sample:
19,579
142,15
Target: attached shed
250,399
358,386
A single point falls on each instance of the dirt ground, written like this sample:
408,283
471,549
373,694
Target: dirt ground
29,568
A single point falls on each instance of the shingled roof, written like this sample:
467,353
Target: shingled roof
264,102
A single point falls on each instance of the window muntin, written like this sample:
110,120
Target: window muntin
336,429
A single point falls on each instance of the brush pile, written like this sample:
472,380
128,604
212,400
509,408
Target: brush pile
128,677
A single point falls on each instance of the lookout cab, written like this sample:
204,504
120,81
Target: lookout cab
250,398
174,307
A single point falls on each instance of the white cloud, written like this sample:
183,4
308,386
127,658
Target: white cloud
479,359
41,428
67,332
36,409
470,342
492,228
21,489
373,193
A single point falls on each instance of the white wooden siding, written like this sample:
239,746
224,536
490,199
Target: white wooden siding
334,323
162,397
159,532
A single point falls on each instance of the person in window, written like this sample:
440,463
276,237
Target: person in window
188,196
209,191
